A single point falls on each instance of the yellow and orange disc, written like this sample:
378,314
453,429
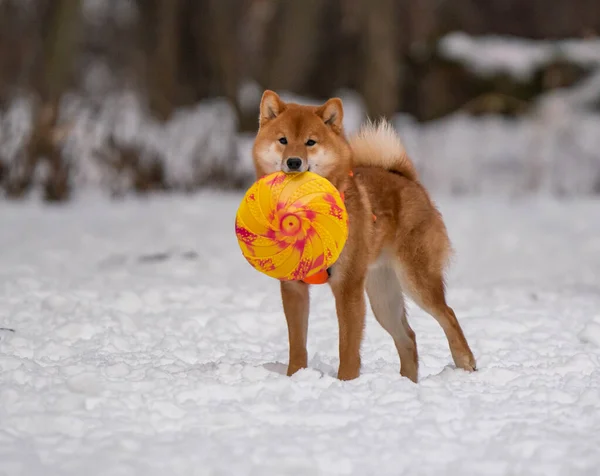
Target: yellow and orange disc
292,226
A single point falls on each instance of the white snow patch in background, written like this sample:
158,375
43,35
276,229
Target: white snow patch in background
519,57
554,153
249,96
15,127
553,150
124,364
195,143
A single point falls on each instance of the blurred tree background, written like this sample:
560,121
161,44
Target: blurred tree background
62,56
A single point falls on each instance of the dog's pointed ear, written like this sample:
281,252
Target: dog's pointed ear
271,106
332,113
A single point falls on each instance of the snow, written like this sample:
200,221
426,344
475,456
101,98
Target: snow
552,152
519,57
145,344
193,144
15,127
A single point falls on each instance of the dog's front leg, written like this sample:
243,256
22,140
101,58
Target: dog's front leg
351,309
295,306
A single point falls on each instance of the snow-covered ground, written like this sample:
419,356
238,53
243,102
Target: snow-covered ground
145,345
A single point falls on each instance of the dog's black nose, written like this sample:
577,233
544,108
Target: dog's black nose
294,163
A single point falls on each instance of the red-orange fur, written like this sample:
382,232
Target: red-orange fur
404,251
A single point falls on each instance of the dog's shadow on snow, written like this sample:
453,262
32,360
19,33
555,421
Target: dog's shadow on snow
448,373
276,367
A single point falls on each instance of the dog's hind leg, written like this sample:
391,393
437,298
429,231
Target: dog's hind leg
387,303
426,288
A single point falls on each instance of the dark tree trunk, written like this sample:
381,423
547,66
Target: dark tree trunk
60,44
294,44
380,58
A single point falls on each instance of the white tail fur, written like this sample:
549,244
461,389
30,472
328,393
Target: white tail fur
378,145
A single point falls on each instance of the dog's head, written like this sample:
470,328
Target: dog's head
296,138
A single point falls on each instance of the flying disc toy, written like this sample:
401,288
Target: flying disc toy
292,227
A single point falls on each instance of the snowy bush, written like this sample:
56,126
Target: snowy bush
196,146
116,145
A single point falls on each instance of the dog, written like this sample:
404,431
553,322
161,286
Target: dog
397,240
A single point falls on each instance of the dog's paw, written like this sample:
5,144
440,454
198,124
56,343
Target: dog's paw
466,362
348,374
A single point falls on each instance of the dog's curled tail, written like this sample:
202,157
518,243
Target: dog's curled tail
378,145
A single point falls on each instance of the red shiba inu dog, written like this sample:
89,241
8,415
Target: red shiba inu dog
397,240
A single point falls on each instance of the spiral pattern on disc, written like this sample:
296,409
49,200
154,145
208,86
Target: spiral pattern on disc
292,226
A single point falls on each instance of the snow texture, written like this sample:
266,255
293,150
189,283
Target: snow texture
144,344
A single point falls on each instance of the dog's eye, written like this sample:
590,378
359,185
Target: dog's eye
283,141
310,142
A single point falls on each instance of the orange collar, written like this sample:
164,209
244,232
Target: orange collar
320,278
